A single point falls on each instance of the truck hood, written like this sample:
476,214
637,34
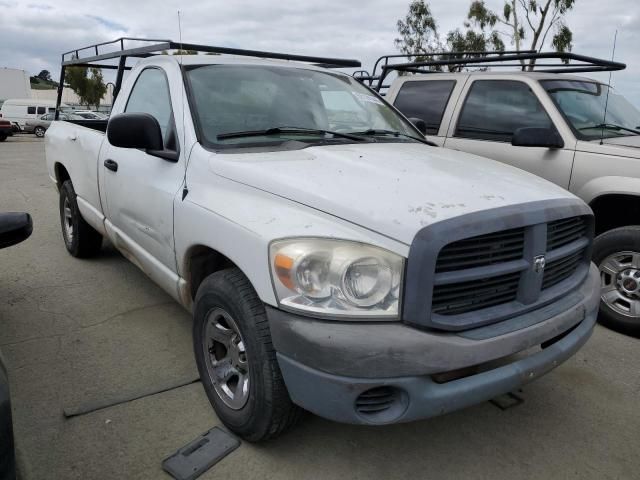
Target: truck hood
394,189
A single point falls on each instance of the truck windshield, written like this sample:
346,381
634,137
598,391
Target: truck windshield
583,105
233,104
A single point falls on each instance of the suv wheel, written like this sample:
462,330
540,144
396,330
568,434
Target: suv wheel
617,254
39,131
80,238
236,359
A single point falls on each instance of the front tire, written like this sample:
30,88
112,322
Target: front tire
39,131
236,359
80,238
3,137
617,254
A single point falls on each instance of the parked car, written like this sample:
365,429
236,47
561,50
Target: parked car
333,259
553,125
89,115
6,130
19,111
14,228
40,126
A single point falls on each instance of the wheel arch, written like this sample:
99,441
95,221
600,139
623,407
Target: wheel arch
613,210
61,173
200,261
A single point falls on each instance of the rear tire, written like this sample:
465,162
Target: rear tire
617,255
3,137
232,340
80,238
39,131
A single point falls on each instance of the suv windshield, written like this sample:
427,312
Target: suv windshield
583,105
272,105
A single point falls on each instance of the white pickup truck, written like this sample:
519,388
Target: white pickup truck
332,259
551,124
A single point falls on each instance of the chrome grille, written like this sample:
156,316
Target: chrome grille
481,250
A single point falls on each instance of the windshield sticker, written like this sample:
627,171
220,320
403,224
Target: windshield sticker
363,97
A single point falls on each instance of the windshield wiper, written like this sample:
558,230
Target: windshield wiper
611,126
288,131
373,132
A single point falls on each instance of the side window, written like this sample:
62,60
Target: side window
150,94
42,110
494,109
31,110
426,100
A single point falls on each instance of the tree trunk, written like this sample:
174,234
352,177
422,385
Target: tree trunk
538,31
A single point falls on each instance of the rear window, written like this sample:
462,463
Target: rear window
42,110
426,100
31,110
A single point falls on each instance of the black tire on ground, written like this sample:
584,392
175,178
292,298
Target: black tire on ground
39,131
619,240
80,238
3,137
268,410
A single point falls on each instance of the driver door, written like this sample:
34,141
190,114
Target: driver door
140,188
491,111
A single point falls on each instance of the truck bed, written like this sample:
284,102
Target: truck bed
100,125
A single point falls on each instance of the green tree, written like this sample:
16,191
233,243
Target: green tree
526,20
44,75
88,83
418,31
419,34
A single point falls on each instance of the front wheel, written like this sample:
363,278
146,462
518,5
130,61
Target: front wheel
617,254
236,359
39,131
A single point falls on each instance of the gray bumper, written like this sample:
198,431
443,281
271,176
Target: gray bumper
328,365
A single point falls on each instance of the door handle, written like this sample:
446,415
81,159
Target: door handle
111,165
73,138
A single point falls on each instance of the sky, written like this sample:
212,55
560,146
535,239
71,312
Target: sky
33,33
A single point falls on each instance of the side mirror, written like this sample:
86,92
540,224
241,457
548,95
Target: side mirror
135,130
419,124
14,228
537,137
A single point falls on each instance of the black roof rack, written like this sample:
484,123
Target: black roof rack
566,62
145,47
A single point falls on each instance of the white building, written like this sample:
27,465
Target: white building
14,83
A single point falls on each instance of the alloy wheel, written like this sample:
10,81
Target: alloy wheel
620,275
226,358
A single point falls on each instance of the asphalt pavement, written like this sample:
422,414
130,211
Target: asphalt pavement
104,385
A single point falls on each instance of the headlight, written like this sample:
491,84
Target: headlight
336,277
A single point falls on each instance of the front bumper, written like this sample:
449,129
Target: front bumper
328,366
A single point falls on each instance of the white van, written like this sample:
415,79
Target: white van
19,110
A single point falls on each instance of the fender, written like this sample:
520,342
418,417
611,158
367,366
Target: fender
600,186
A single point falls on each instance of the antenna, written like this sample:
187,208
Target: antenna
606,102
185,189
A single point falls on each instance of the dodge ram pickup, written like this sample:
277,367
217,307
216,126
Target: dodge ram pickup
333,260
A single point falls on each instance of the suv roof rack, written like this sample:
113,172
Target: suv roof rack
116,49
480,59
